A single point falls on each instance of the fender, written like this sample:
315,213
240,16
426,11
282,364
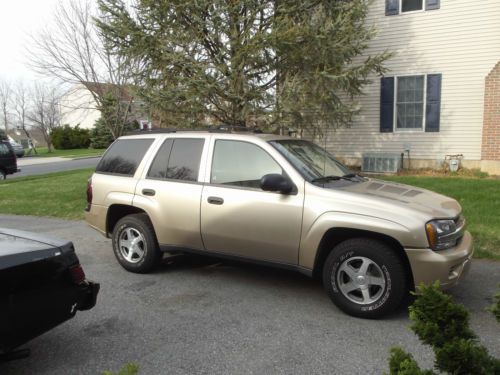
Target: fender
311,237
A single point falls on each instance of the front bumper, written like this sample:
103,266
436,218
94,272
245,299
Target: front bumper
448,266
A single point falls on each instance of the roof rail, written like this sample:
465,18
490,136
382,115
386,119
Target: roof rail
211,129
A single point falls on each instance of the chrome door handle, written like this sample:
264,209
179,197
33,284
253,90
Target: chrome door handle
215,200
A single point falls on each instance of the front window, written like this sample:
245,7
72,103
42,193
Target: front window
410,102
411,5
241,164
310,160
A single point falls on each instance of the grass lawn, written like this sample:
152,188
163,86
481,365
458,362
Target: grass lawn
56,194
480,201
73,153
63,195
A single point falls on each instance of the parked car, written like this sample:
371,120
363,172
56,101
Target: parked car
279,201
18,149
42,284
8,160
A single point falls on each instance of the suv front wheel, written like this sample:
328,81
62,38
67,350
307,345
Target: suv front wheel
135,245
365,278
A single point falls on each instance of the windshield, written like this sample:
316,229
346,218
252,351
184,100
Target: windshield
310,160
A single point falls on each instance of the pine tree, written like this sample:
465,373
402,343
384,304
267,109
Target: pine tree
240,60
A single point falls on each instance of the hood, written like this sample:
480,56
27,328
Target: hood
425,201
19,247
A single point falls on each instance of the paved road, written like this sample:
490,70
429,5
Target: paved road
199,316
30,170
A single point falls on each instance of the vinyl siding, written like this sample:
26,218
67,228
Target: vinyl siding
461,40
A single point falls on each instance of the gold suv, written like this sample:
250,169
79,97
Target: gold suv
279,201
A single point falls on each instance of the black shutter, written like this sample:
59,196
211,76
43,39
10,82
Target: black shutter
433,103
386,104
431,4
391,7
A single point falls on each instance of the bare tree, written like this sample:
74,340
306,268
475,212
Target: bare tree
20,105
5,98
77,54
45,111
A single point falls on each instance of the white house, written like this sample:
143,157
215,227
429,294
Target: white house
78,107
441,95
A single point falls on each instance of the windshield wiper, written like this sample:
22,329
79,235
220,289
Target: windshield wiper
349,177
329,178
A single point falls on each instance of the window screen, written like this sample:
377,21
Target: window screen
411,5
185,158
159,166
241,164
410,102
123,156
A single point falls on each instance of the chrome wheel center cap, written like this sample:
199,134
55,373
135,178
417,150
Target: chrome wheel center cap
360,280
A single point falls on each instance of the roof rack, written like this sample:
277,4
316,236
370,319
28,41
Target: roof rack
211,129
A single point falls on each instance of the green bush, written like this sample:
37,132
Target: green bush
128,369
495,309
100,135
444,325
67,137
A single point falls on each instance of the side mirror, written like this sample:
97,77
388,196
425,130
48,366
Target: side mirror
276,182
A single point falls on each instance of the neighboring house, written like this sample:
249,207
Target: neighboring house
441,95
79,107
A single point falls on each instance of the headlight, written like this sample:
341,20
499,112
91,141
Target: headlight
443,234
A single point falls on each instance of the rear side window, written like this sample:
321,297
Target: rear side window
123,156
178,159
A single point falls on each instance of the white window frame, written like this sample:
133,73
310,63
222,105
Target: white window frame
395,114
411,11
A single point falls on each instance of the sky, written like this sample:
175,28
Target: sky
19,18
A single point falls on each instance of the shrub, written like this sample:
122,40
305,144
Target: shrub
495,309
100,135
444,325
128,369
67,137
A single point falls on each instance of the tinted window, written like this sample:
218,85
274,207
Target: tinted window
4,150
123,156
159,166
241,164
184,161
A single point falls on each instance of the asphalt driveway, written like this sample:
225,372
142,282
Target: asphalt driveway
203,316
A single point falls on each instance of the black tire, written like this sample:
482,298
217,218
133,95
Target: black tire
136,224
3,175
384,269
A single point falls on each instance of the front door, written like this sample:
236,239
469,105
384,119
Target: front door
237,217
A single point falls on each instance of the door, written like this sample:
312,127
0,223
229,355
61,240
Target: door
237,217
170,192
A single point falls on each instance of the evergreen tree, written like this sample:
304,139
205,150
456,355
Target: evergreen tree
233,61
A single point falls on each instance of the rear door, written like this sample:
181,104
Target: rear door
170,191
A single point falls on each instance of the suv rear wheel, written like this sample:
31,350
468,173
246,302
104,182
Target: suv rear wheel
135,245
3,175
365,278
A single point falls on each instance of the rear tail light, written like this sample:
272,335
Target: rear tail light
77,274
89,193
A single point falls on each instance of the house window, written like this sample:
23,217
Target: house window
395,7
410,103
410,99
411,5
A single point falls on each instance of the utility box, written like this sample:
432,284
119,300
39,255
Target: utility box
381,162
